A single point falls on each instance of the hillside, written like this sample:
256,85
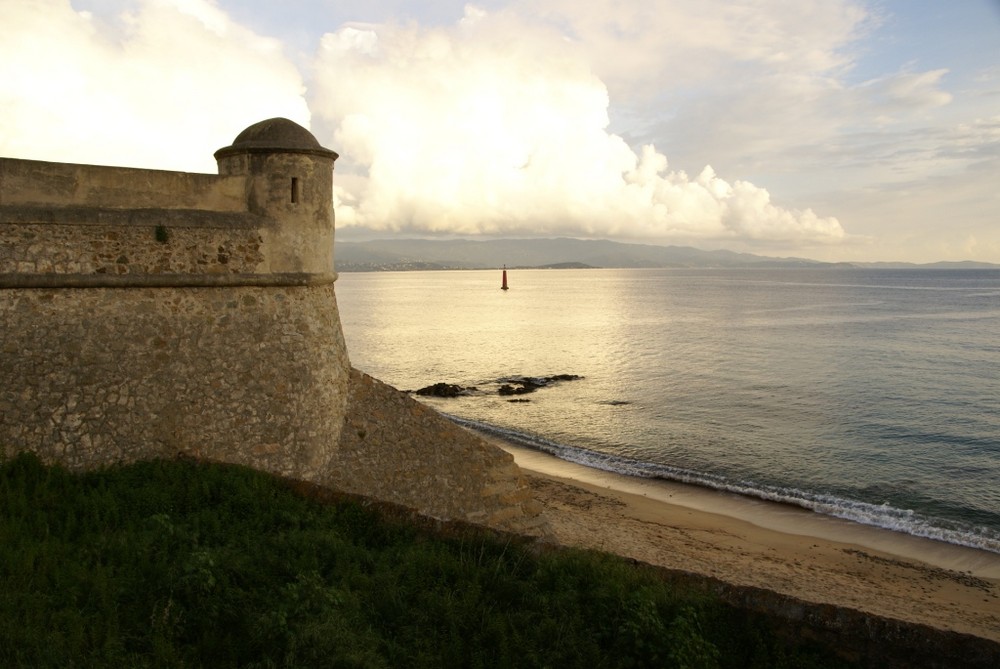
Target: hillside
560,253
180,563
421,254
169,564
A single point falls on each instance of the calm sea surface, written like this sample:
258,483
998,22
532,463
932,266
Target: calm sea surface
870,395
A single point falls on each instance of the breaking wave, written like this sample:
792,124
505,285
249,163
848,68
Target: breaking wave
878,515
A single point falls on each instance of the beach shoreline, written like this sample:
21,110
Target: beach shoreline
762,544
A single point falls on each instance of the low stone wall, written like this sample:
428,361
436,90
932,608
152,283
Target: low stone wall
393,448
52,185
854,636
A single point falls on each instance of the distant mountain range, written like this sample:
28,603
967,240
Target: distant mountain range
426,254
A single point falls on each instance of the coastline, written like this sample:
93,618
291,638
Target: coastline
767,545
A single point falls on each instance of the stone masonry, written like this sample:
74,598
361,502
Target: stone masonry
148,314
394,447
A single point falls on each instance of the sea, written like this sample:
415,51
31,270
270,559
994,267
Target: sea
870,395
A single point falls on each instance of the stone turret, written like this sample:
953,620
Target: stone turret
289,181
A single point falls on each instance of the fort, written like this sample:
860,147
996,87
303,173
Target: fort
151,314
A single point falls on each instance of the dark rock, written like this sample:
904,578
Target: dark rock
511,385
520,385
442,389
563,377
523,388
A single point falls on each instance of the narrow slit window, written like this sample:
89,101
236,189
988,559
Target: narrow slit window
295,189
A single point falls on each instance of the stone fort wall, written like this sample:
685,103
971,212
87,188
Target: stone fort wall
149,314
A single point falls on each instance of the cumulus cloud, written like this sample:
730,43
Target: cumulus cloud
497,125
157,84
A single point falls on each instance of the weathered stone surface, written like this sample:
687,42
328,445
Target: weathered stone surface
39,248
395,449
58,185
255,376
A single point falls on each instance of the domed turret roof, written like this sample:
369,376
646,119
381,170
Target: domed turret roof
275,135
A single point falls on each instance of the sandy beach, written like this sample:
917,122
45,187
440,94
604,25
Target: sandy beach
747,542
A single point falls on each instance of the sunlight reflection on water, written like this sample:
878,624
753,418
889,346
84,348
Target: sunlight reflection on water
830,381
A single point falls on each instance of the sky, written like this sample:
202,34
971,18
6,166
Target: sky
836,130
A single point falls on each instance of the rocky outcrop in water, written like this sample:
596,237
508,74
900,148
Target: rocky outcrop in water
442,389
523,388
522,385
507,386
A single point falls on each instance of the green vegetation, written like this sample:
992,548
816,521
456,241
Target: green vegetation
166,564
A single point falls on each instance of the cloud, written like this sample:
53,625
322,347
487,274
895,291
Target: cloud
497,125
905,92
155,85
688,42
918,89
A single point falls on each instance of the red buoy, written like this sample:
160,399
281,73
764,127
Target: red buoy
503,286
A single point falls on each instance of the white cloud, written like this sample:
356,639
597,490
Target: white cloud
156,85
496,125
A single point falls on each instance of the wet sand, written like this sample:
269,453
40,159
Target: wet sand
767,545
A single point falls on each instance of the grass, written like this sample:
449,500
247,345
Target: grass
171,564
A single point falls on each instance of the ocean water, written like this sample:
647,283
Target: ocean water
871,395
